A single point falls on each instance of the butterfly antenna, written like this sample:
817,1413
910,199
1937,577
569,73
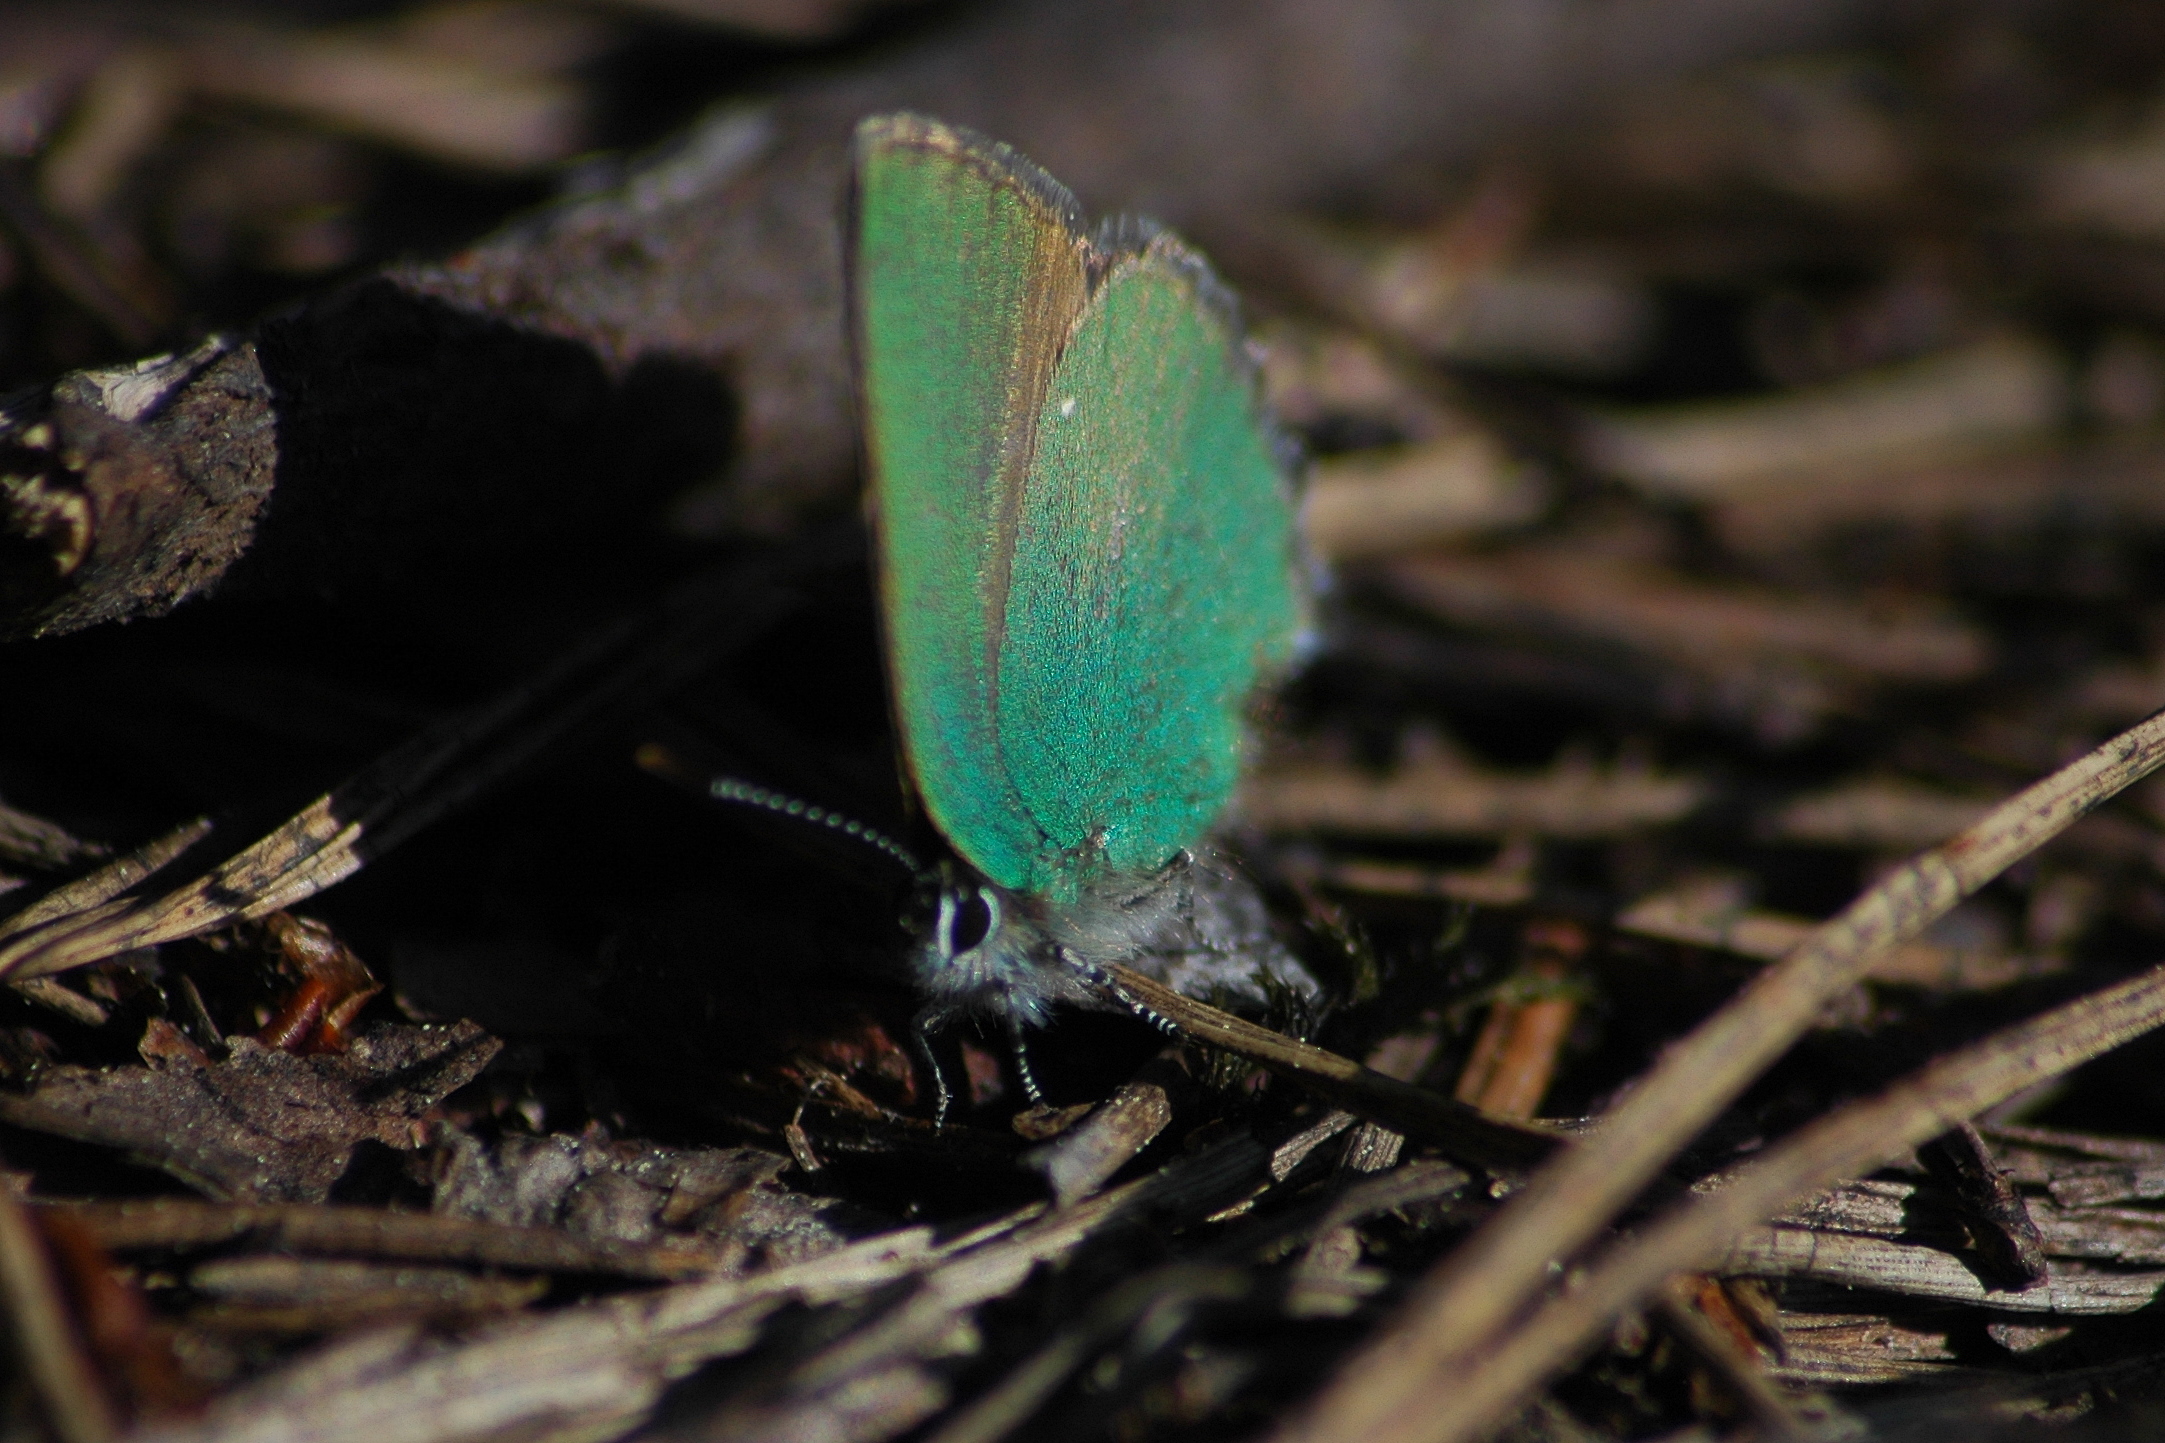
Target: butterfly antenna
659,760
1108,986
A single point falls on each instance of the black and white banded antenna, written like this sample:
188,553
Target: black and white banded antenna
658,760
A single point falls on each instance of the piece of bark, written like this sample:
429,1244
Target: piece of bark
260,1126
1372,1149
2041,1154
1405,1058
2110,1183
1297,1149
1924,1214
1998,1221
126,489
549,388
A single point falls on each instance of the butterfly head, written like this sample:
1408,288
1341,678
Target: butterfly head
990,950
979,947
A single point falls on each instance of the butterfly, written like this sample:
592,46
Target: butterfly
1088,560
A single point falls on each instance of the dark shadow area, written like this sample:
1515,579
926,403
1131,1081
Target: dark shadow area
463,485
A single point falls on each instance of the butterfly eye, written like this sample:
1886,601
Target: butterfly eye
966,919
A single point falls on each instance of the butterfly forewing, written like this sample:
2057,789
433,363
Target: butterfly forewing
967,272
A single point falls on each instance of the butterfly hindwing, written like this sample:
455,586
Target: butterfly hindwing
1154,576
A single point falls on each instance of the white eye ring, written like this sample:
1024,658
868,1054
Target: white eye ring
950,908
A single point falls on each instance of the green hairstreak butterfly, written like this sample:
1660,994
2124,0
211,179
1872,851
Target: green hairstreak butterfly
1087,552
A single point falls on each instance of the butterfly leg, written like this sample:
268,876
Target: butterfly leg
1022,1063
922,1026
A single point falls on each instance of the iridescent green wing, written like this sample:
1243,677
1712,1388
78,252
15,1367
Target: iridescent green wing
968,270
1154,579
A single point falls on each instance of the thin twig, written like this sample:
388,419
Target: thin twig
1473,1293
1515,1053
